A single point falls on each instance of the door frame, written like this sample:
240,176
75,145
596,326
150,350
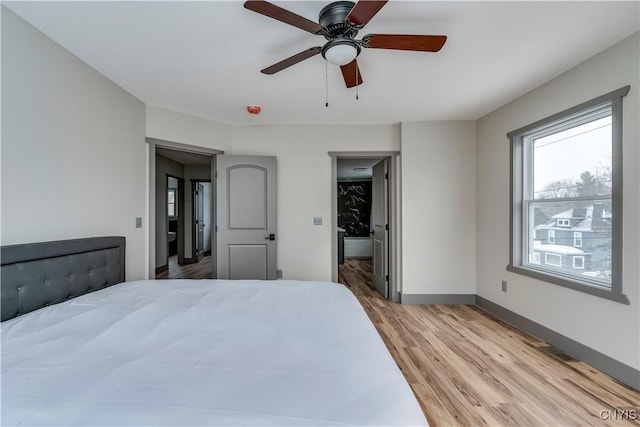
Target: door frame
194,183
395,215
180,201
151,229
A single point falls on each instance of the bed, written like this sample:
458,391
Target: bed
82,347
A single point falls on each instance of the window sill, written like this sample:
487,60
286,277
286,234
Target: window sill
571,284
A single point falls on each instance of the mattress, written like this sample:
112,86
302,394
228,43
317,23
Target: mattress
203,352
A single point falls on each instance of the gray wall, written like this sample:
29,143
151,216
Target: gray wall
164,166
73,148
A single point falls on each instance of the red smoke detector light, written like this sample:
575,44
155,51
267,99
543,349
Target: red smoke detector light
253,109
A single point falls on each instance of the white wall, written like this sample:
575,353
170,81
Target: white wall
609,327
358,247
438,207
73,148
185,129
304,185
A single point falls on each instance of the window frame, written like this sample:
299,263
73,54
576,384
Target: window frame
546,259
175,202
551,236
577,239
518,183
536,258
578,257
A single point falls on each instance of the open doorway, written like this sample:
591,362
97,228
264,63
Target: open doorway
354,218
365,247
184,215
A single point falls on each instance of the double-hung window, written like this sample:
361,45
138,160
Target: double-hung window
566,198
171,202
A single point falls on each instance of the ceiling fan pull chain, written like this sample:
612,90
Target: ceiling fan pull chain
357,81
326,83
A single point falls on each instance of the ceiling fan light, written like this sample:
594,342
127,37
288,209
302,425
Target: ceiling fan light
341,52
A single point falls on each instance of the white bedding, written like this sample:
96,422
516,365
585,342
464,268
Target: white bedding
203,352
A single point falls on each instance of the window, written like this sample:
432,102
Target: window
553,259
535,258
577,238
567,172
171,202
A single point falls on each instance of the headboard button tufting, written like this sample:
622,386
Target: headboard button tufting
35,272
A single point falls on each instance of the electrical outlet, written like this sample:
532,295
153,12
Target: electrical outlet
504,286
138,222
278,274
317,220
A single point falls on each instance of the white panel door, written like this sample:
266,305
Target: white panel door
246,217
380,225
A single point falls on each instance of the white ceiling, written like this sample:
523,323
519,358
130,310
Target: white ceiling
184,157
355,168
204,58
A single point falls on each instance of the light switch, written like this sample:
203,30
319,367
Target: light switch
317,220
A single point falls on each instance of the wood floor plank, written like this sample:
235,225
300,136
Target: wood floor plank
199,270
468,368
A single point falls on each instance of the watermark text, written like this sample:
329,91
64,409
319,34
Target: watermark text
617,414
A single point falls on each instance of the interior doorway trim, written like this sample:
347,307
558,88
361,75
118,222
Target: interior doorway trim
154,143
180,215
395,223
194,182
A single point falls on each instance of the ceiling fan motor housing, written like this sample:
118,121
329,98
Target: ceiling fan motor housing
339,22
333,17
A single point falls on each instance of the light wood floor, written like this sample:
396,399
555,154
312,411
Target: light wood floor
201,270
467,368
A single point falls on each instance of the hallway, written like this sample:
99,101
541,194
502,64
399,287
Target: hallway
201,270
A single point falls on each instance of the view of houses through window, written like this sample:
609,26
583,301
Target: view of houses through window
568,198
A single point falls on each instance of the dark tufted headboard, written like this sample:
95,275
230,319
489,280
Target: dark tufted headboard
35,275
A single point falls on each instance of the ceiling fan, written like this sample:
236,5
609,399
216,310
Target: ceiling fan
339,22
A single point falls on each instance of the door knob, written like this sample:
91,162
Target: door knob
270,237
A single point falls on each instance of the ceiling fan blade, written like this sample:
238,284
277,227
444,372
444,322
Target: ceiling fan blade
404,42
351,74
292,60
276,12
364,10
